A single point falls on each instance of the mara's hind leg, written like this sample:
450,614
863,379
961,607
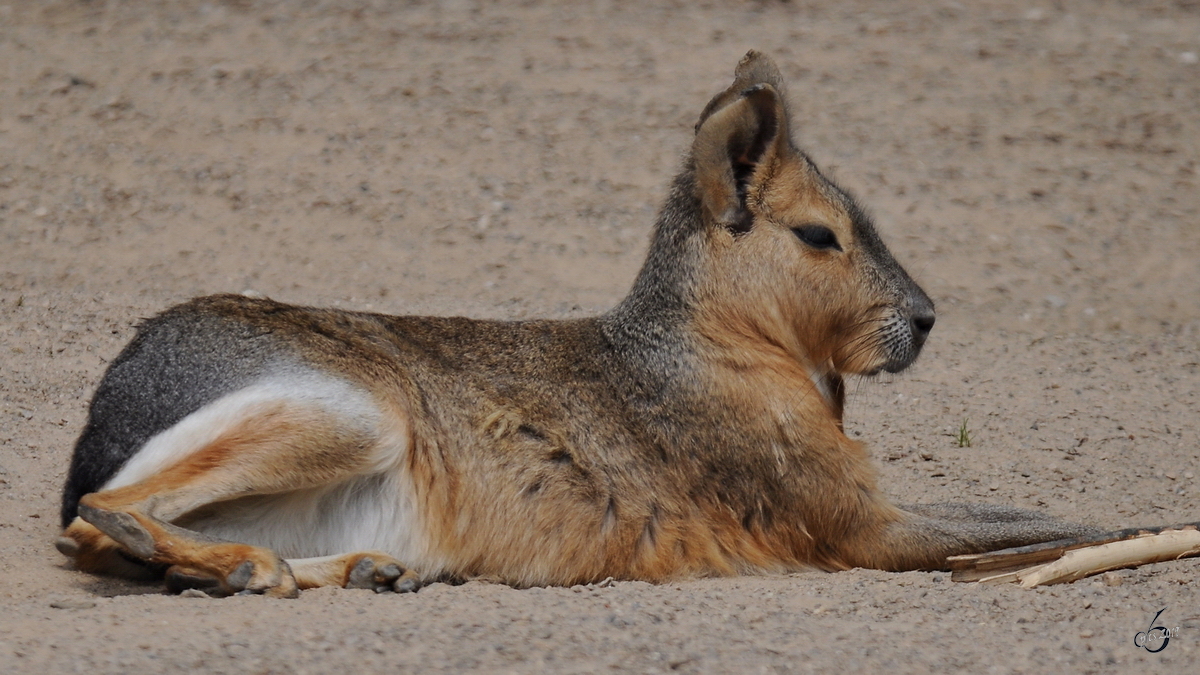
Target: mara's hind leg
921,537
193,560
285,447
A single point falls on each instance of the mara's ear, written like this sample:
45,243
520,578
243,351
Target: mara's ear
731,143
755,68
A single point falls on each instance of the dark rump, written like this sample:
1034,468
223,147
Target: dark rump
179,361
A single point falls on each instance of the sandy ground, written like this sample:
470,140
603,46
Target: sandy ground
1033,164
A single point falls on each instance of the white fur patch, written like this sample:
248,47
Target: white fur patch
209,423
370,513
818,375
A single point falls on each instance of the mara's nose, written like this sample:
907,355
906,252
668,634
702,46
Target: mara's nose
922,324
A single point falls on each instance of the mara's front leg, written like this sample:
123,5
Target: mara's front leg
921,537
367,569
272,450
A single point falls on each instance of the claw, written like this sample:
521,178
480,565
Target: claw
67,546
240,577
369,573
363,574
407,584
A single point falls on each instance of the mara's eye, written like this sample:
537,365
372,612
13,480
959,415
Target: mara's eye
817,236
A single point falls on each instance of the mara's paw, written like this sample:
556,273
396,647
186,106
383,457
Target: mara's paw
377,571
90,550
381,573
235,569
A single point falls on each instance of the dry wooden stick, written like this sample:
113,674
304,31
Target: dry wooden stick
1083,562
1009,564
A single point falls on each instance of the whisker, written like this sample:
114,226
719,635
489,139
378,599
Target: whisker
858,324
859,344
867,342
862,342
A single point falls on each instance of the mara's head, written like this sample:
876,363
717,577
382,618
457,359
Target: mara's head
787,256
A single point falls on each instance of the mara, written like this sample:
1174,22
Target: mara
241,445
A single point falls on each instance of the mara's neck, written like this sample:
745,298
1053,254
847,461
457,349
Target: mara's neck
658,311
